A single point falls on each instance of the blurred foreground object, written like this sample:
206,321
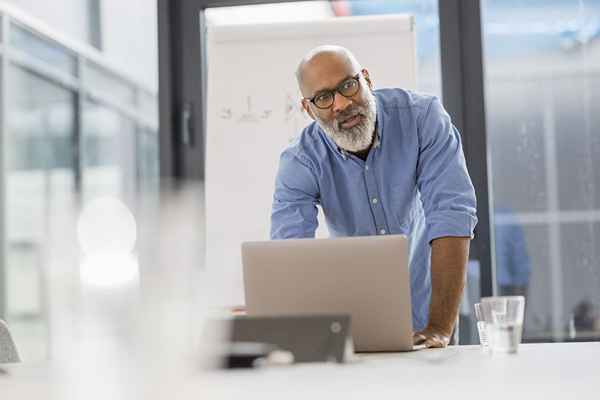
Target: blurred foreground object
8,349
250,355
309,338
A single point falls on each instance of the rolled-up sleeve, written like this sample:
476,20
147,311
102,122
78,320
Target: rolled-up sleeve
446,189
294,212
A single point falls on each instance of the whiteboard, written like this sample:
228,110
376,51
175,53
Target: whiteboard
253,112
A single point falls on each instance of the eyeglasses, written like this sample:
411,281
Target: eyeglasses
347,88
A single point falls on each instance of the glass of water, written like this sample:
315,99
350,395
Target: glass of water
503,316
481,329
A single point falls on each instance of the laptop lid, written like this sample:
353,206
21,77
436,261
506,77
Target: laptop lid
366,277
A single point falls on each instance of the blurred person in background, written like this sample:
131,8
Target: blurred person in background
513,265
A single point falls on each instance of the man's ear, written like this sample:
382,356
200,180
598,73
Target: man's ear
306,107
365,74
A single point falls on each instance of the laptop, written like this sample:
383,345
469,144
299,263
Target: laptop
365,277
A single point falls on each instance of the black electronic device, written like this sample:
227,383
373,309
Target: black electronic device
310,338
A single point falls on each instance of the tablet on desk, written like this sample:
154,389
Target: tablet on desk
365,277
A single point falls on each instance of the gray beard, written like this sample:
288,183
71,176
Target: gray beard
360,136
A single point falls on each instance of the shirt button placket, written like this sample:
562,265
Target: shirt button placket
379,219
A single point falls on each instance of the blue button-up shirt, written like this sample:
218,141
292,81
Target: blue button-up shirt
414,182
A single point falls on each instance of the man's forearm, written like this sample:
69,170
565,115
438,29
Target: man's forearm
449,256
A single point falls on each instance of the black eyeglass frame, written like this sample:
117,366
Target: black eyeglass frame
334,90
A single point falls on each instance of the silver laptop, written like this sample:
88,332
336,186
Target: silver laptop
366,277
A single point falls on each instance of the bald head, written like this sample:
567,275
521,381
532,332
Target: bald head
324,60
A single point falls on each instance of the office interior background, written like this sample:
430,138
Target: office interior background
79,100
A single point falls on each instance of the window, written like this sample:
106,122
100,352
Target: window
39,196
147,161
75,118
103,83
107,149
541,88
44,50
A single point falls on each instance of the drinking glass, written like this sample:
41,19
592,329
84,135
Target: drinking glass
503,316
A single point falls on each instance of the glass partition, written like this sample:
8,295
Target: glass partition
40,197
68,137
102,82
541,60
51,53
107,150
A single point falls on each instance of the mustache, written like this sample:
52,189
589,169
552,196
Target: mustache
349,113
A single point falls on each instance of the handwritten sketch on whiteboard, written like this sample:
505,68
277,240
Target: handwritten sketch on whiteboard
253,112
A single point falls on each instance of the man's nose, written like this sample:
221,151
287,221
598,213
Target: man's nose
340,103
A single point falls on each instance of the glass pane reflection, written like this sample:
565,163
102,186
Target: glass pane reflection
39,200
108,153
105,83
44,50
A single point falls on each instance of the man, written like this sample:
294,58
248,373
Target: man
381,162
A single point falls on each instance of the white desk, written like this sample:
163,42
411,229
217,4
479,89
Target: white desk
539,371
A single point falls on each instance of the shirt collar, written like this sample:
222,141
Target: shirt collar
376,144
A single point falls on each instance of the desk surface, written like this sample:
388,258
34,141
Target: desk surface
548,371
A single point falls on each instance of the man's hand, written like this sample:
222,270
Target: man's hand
431,338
